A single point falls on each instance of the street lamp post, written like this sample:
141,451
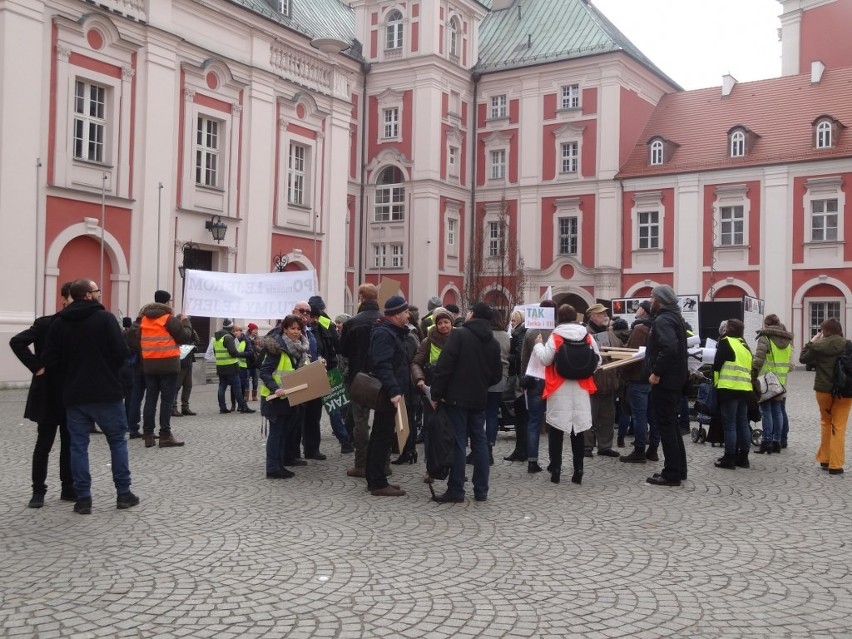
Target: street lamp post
189,251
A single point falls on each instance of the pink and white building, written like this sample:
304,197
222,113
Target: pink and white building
374,138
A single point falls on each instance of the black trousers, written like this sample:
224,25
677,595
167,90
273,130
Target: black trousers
664,404
555,438
381,440
521,417
311,429
41,454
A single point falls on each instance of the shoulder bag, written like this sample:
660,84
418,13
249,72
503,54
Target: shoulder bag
366,390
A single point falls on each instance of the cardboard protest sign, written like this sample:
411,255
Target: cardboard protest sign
338,397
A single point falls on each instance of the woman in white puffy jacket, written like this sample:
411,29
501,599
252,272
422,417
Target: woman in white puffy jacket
569,409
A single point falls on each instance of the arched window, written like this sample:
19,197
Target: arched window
737,144
823,135
390,196
657,152
454,37
394,30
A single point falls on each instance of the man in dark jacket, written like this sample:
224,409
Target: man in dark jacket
666,366
228,367
44,407
390,364
468,365
638,392
86,349
159,334
355,347
603,400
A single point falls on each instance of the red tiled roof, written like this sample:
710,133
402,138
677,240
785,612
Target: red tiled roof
780,111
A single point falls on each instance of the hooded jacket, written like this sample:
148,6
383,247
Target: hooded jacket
780,338
180,330
420,364
666,354
569,407
822,355
468,365
85,348
639,334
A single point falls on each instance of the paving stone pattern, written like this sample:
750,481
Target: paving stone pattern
217,550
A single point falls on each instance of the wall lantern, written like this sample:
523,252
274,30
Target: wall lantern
217,228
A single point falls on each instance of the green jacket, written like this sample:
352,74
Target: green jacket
822,355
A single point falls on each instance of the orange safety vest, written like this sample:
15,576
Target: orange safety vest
157,343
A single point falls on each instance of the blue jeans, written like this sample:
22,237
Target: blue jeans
163,387
536,408
639,396
338,426
492,416
734,412
786,428
112,419
236,390
772,413
469,424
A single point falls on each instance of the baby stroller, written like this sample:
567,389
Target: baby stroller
710,422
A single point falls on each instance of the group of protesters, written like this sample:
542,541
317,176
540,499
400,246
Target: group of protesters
86,371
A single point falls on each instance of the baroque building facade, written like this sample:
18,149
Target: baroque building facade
366,139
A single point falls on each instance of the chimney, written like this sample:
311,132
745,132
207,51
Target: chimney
728,84
817,69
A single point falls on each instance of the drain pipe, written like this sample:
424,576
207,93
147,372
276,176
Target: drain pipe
365,69
473,155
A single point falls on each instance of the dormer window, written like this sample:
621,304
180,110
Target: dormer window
284,7
657,148
824,135
394,30
737,144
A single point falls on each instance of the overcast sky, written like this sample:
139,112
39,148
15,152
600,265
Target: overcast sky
696,42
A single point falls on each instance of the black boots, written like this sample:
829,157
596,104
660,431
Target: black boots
636,457
765,449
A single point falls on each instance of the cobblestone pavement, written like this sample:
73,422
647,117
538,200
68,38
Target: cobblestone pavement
217,550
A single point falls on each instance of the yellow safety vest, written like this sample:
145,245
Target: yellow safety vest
735,375
284,364
324,321
779,363
434,353
241,347
223,357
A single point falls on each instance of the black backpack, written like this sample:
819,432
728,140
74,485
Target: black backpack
842,382
440,445
576,359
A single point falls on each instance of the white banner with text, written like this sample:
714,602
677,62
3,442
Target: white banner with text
267,296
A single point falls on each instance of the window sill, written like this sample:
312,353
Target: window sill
569,110
301,207
211,189
93,164
502,118
495,181
648,251
389,222
824,243
567,255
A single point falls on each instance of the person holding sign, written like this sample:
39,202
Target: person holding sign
533,383
569,408
285,352
390,364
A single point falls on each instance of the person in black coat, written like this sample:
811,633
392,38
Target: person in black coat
667,370
86,347
516,343
355,347
45,408
468,365
390,364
